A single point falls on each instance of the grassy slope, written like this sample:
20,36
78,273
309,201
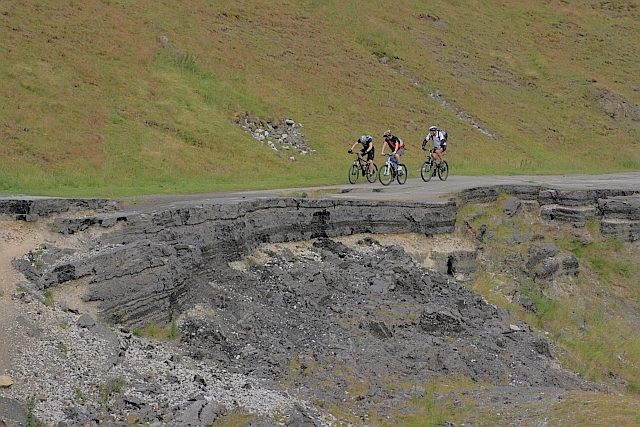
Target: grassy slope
591,319
94,104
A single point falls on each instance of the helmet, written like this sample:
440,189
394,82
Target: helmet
386,133
363,139
433,128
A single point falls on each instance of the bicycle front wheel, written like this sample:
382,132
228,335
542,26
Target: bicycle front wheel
354,172
402,174
373,176
426,171
443,171
385,174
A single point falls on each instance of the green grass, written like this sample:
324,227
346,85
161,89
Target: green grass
30,407
153,330
109,388
428,413
63,348
590,317
96,104
48,295
591,320
238,419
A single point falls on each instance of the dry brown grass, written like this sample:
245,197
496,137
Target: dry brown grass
83,80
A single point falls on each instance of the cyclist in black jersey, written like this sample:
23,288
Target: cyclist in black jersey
367,148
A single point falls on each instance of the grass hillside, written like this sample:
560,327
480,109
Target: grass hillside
116,97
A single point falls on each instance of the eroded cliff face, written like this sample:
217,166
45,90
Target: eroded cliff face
146,268
271,289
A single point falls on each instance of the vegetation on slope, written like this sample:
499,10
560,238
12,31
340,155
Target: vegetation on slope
111,97
591,319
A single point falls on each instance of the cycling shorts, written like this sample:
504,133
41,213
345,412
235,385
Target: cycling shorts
369,155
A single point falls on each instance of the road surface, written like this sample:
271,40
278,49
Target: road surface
413,190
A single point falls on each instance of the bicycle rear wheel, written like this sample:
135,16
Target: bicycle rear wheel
443,171
354,172
402,174
385,174
426,171
372,177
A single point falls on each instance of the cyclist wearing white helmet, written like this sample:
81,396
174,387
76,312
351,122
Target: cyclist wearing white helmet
439,143
367,148
395,144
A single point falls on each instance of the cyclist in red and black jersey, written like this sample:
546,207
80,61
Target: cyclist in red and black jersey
395,144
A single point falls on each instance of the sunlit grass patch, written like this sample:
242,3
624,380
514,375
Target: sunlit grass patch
153,330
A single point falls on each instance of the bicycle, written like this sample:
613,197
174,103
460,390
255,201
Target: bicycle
361,166
388,172
429,169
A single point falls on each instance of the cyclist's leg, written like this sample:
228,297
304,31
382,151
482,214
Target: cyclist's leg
439,154
399,153
370,155
360,161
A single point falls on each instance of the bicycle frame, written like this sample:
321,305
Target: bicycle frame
360,167
430,168
361,163
392,160
393,170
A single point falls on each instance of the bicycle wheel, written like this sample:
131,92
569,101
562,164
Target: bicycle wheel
402,174
372,177
385,174
354,172
443,171
426,171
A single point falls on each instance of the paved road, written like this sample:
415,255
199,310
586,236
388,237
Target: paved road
414,189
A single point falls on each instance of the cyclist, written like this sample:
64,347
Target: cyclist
439,143
367,148
395,144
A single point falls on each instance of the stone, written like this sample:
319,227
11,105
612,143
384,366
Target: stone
538,252
621,207
512,206
132,418
86,321
5,381
578,215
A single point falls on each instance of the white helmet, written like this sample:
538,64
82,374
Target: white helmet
433,128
